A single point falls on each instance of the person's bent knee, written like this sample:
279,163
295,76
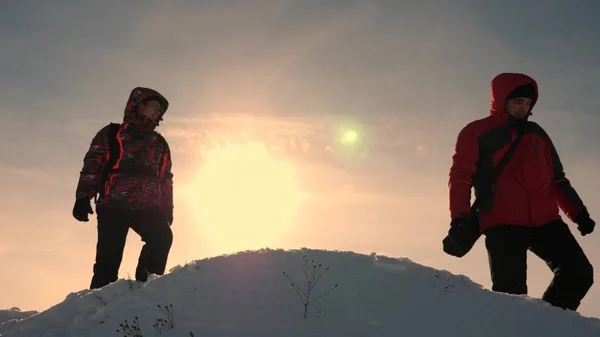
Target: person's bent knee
580,275
586,275
168,240
162,238
167,237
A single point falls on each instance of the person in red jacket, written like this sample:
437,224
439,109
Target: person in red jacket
520,211
137,193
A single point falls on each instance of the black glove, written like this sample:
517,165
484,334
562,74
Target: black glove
585,224
462,235
460,221
82,208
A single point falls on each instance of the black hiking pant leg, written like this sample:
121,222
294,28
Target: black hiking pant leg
573,274
113,226
156,232
507,256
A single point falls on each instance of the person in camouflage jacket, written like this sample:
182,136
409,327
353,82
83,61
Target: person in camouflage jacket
137,193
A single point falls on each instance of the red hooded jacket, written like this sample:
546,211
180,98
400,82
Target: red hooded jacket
141,177
531,188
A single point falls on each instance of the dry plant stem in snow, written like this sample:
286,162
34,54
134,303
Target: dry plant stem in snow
133,330
312,277
166,322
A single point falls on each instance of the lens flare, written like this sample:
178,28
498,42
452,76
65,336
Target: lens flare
349,141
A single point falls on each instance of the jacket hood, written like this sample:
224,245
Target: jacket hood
138,95
503,84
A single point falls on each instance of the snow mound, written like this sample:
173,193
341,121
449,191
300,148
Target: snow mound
250,294
13,315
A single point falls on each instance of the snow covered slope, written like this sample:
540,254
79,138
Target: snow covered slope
13,315
249,294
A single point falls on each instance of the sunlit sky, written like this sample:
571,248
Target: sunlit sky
321,124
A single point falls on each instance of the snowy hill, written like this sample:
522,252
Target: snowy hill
13,315
249,294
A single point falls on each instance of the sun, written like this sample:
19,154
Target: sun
243,198
350,136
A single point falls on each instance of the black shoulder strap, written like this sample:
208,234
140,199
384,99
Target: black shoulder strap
114,154
501,164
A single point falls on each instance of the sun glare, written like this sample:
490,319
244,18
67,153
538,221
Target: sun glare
243,198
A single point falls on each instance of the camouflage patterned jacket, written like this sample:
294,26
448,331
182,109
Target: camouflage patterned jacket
141,177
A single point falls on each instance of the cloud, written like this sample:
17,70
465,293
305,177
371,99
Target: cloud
287,73
34,175
396,158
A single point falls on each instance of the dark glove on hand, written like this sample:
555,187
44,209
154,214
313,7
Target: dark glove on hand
462,235
82,208
585,224
460,221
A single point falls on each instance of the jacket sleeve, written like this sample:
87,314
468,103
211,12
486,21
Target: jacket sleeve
95,159
166,181
566,197
464,165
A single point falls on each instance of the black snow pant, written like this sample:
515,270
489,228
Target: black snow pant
507,247
113,227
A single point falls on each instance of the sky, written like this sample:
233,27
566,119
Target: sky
260,95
